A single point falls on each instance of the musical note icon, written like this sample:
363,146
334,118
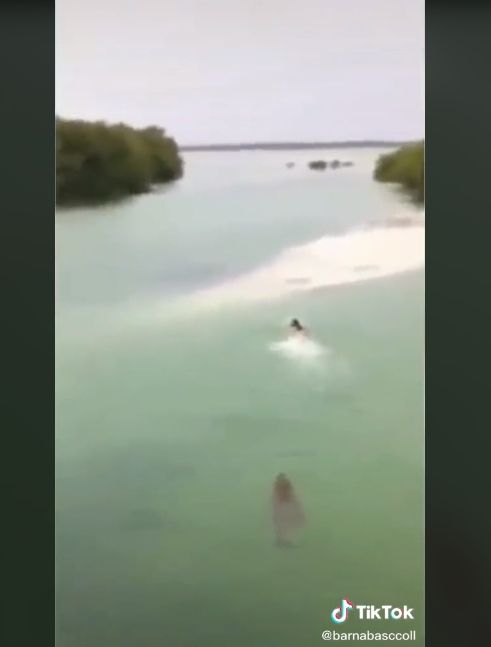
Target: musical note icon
340,614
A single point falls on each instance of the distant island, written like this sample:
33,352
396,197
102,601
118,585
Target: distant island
322,165
404,167
289,146
98,162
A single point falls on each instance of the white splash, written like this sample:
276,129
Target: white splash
298,347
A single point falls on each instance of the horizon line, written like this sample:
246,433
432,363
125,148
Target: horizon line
299,144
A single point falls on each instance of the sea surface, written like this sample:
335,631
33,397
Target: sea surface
175,412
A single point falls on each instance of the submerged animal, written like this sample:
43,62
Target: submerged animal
288,514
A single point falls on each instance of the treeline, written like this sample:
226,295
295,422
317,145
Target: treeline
98,162
405,167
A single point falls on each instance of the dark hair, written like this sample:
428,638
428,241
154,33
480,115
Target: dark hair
295,323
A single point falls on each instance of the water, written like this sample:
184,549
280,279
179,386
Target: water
174,416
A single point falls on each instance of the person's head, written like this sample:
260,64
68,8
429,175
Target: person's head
295,323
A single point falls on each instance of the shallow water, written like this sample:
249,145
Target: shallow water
173,419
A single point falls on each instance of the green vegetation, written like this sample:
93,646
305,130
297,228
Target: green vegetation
97,162
405,167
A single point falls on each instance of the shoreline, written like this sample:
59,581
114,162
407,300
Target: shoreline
289,146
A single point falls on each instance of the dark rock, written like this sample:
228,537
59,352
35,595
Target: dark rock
318,165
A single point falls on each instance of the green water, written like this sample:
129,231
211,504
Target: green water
172,423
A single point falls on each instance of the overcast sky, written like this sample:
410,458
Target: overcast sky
245,70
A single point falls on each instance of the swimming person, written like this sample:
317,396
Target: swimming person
297,329
288,514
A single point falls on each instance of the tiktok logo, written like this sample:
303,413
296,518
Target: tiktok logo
340,614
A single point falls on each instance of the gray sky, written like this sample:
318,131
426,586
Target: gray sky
245,70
